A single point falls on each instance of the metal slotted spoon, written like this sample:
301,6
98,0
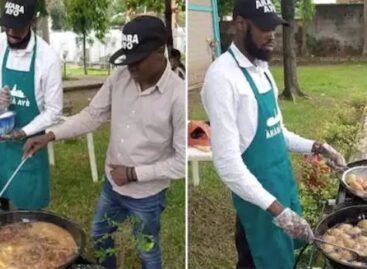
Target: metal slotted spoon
13,175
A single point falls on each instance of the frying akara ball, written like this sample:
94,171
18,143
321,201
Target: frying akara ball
362,224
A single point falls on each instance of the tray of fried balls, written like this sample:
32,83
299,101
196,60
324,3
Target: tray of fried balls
355,180
350,236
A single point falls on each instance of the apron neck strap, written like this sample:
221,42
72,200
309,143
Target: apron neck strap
248,76
32,67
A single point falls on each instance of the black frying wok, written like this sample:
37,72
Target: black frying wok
351,215
71,227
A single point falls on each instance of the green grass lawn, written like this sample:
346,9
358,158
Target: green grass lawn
333,114
77,71
75,195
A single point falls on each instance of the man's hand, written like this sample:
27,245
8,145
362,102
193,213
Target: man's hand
5,98
122,175
294,225
36,143
334,158
14,135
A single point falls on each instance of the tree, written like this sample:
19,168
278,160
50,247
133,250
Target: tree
292,88
365,28
57,13
41,7
225,8
83,16
306,10
168,20
133,7
167,7
172,7
42,22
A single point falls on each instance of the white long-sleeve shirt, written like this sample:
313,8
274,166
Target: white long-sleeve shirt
48,80
233,114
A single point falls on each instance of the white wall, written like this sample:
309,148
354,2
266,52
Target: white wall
67,42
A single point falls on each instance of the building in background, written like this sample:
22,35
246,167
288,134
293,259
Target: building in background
204,39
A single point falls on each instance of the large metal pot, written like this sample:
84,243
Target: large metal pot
351,215
28,216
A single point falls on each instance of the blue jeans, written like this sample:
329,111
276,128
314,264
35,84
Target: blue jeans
113,208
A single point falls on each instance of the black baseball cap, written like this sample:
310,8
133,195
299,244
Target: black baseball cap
140,37
261,12
17,13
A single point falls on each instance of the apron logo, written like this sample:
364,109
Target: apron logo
18,97
273,126
13,9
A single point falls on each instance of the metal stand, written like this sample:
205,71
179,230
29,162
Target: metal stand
4,204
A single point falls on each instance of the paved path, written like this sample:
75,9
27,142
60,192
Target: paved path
83,83
361,152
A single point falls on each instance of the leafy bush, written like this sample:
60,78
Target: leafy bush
318,183
316,186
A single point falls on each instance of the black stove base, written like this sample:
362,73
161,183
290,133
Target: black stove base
4,204
345,198
83,263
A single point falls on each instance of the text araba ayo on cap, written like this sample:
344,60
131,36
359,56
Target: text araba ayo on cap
128,41
266,4
13,9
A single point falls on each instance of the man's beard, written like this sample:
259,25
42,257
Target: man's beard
253,50
22,44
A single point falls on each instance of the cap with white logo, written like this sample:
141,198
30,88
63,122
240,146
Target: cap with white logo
261,12
140,37
17,13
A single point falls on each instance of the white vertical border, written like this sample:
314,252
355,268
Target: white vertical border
187,120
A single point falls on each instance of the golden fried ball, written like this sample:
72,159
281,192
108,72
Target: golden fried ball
363,224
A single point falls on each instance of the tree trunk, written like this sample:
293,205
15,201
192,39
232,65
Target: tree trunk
365,28
174,14
43,24
1,12
304,50
85,54
292,89
168,20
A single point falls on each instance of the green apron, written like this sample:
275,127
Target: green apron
267,158
30,188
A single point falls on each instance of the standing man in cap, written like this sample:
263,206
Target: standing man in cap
145,101
31,86
250,144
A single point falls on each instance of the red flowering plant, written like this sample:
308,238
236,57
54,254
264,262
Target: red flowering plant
315,171
317,185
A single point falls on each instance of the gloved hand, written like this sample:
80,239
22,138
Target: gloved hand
294,225
5,98
334,158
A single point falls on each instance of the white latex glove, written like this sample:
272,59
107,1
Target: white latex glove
5,98
334,157
294,225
